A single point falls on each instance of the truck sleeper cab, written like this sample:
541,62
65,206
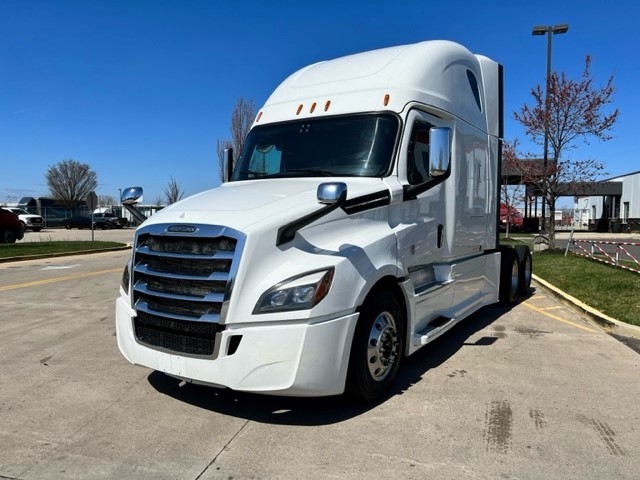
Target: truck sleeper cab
358,224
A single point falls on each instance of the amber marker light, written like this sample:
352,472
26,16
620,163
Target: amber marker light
299,109
259,117
327,105
386,99
313,107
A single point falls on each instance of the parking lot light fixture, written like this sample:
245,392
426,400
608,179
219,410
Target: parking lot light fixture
536,31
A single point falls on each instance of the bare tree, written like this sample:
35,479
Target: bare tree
172,192
242,116
574,110
106,201
10,199
70,181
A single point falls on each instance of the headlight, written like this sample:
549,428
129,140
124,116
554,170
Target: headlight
297,293
125,279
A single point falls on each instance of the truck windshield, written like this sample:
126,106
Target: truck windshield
339,146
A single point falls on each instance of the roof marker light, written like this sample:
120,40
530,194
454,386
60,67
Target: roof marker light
326,105
259,117
386,99
299,109
313,107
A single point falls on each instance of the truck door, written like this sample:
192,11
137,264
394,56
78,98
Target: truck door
422,238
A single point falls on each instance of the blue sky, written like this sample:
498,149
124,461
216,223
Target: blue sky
141,90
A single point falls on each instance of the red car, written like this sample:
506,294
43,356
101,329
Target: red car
11,228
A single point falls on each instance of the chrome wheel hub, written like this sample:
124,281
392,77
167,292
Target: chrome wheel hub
382,347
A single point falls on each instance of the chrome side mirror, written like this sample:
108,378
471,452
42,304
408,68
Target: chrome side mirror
330,193
131,196
439,151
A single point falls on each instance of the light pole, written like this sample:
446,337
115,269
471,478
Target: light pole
549,30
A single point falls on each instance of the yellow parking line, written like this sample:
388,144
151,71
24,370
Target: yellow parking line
557,307
543,312
64,278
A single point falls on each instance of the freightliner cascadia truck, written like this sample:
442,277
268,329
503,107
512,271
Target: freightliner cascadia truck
359,223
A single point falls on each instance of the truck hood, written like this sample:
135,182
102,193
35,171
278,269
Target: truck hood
259,204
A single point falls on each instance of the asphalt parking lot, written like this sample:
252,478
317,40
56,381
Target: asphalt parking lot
534,391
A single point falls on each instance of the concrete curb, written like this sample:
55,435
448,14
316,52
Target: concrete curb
62,254
610,324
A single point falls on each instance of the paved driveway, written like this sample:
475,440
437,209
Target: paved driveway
532,392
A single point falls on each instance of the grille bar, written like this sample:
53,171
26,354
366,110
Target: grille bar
142,306
220,255
141,287
215,276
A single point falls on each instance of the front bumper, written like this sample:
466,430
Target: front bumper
294,359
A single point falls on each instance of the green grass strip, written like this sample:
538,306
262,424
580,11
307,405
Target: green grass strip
26,249
611,290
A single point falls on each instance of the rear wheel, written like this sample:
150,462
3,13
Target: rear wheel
8,236
377,348
509,276
526,268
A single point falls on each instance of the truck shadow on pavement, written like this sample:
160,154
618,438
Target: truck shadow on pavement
329,410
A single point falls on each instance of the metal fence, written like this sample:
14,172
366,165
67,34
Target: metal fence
617,254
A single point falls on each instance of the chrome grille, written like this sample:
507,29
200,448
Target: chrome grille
181,283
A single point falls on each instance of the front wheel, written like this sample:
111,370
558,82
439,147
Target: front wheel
377,348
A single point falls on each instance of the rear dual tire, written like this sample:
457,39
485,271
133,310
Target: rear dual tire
515,273
526,268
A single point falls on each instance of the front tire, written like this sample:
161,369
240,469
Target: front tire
377,348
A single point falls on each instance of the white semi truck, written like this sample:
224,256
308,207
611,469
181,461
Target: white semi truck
358,224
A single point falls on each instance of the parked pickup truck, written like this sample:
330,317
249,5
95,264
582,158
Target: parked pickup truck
29,220
114,221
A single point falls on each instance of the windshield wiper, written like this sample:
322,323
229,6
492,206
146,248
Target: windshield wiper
255,174
314,170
